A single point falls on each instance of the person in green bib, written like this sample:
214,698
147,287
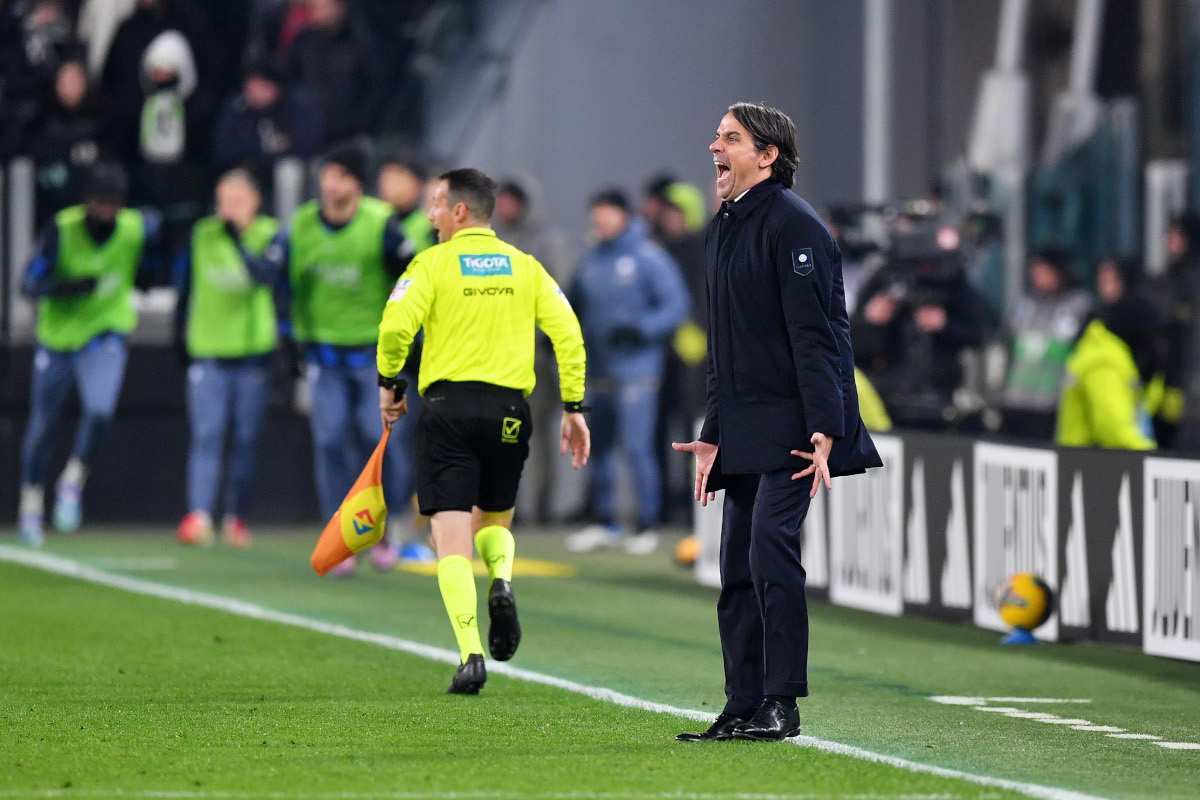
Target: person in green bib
82,276
401,183
225,322
333,267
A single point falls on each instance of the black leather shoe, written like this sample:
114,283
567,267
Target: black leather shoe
504,632
719,731
773,721
471,676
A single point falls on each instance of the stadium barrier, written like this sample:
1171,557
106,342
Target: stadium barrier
1115,533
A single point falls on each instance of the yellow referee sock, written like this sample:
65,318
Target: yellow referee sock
496,545
458,593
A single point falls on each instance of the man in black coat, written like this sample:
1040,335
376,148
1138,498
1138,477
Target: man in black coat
780,393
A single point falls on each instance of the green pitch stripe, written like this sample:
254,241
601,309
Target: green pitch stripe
73,569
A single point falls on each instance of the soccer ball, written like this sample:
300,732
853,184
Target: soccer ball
1024,601
686,551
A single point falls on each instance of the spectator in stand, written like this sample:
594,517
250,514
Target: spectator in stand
1044,327
68,139
336,58
266,121
1181,295
224,323
35,38
98,22
169,81
1103,396
630,299
124,81
275,27
518,221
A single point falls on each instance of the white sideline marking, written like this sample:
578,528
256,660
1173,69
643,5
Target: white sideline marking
1098,728
980,704
74,569
1040,716
956,700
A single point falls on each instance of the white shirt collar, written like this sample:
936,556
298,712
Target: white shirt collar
743,194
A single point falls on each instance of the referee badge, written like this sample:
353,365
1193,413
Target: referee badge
802,261
510,430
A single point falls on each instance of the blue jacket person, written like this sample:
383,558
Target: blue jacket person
782,406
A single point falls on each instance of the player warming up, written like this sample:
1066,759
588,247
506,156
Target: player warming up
479,300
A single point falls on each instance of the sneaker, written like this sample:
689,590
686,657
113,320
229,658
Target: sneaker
68,506
504,632
641,544
383,557
345,569
196,528
418,552
471,676
235,531
29,528
594,537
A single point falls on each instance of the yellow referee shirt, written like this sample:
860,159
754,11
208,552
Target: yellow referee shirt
479,299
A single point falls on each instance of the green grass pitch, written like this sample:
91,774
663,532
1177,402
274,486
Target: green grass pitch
106,692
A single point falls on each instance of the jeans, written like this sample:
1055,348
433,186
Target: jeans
97,369
221,393
346,427
625,410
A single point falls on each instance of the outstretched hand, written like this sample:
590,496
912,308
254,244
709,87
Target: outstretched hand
706,457
822,444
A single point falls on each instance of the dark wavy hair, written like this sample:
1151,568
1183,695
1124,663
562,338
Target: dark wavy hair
770,126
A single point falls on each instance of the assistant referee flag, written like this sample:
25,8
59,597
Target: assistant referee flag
361,519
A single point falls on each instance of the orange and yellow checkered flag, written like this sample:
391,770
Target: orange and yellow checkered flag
361,519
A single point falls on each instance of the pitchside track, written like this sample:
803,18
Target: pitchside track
131,667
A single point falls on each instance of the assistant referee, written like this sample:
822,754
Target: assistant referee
479,300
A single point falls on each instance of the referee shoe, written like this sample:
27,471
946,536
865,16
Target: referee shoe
504,632
471,676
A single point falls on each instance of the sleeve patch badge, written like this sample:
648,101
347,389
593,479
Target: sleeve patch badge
802,261
398,292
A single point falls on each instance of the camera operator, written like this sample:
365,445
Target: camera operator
914,319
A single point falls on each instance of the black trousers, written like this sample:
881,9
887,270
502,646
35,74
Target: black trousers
762,612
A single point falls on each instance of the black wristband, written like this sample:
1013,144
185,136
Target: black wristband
395,383
575,407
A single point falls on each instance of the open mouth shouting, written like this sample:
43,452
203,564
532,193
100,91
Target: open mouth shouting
724,176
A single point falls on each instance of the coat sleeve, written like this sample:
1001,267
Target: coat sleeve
711,430
806,292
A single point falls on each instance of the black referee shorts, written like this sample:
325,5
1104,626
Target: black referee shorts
471,444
